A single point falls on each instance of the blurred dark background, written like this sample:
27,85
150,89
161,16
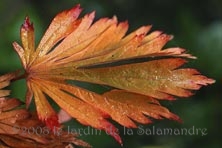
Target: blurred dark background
196,26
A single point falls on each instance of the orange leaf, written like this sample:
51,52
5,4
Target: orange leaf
102,53
45,111
135,106
157,78
19,128
83,112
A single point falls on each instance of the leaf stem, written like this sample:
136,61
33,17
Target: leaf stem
19,75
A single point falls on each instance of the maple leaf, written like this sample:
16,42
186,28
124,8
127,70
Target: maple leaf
77,49
19,128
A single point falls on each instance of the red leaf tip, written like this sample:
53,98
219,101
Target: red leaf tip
27,25
112,131
75,11
52,122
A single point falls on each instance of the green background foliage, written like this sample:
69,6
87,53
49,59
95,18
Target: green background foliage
196,26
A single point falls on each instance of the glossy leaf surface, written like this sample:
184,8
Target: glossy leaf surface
99,52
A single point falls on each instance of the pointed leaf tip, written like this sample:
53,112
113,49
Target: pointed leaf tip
27,25
112,131
75,11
